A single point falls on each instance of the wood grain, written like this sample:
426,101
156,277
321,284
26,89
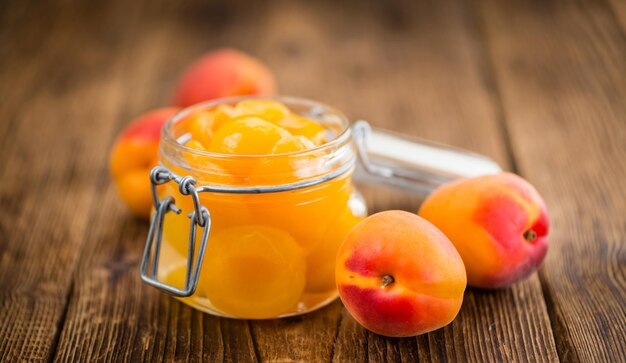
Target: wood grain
51,158
419,69
618,10
537,86
563,84
125,319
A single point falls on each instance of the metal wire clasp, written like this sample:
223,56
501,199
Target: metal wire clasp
361,131
199,217
413,164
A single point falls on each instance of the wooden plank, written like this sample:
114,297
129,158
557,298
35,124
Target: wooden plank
618,9
51,95
418,69
172,337
562,74
395,70
112,316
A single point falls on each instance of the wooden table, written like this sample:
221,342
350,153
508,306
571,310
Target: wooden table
538,86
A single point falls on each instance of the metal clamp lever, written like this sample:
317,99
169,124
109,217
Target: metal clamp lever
199,217
413,164
361,131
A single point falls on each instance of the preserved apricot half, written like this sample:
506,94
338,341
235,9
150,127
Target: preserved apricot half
320,273
253,271
269,110
305,215
292,144
200,128
203,124
247,135
302,126
176,277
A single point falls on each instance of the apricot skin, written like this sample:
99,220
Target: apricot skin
498,223
132,156
427,275
223,73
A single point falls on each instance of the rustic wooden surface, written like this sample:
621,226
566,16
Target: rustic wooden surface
538,86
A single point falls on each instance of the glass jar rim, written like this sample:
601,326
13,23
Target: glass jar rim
340,138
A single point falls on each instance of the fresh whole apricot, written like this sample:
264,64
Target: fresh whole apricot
133,154
498,223
223,73
398,275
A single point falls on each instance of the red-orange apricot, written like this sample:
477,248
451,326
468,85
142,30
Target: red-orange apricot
223,73
134,154
498,223
398,275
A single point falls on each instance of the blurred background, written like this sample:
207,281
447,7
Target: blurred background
539,86
420,68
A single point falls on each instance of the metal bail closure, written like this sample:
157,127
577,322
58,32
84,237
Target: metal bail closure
413,164
199,217
361,131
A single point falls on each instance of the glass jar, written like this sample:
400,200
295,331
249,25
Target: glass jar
276,221
255,236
